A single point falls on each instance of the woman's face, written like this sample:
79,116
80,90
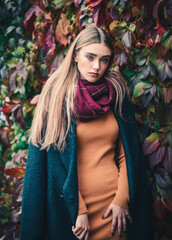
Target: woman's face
92,61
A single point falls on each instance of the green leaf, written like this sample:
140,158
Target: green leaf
128,73
132,27
140,87
11,63
10,29
141,62
57,4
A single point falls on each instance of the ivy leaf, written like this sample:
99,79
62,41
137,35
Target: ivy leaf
12,63
30,17
50,40
21,69
4,137
15,172
126,39
128,73
58,4
167,162
163,178
18,191
156,157
121,58
164,68
113,12
62,30
140,88
20,158
98,9
12,80
35,99
18,116
151,143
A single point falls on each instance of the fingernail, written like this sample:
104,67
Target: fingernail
103,216
112,233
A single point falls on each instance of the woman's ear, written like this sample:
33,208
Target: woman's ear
75,57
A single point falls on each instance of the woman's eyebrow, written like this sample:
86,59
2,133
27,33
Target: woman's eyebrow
93,54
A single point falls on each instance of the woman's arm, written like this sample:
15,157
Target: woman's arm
122,195
81,229
119,205
34,195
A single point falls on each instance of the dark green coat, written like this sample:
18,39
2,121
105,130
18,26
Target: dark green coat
50,194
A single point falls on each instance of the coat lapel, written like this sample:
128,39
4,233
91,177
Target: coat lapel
128,133
69,160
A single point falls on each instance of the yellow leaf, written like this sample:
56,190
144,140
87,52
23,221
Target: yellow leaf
62,30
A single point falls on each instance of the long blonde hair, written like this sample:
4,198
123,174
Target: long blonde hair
55,108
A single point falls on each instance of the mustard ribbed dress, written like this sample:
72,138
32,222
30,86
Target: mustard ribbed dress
100,181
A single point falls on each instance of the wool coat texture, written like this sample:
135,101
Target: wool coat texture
50,192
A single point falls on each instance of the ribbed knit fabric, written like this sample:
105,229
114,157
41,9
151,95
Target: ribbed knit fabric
100,181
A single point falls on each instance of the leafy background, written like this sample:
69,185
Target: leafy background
34,37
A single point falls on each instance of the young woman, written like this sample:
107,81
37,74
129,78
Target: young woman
85,176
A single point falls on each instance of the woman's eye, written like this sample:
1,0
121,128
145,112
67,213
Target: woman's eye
105,60
89,57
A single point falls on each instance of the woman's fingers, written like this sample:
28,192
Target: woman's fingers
120,227
107,213
82,235
114,222
77,231
124,223
86,235
129,217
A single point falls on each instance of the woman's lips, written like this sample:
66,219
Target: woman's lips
94,74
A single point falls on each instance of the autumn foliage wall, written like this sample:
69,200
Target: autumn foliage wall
34,37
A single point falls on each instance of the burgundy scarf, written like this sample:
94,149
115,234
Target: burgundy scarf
93,99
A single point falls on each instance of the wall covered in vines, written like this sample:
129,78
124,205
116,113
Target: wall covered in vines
34,37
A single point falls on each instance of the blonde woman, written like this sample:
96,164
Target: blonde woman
85,175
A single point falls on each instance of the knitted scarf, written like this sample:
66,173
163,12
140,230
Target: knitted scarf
93,99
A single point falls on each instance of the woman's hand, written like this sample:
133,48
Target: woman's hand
81,229
119,216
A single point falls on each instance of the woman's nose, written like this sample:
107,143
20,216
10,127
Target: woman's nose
96,65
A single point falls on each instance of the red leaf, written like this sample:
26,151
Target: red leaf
50,41
6,109
15,172
30,17
10,107
98,9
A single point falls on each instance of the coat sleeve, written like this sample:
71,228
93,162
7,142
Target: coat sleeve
34,195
